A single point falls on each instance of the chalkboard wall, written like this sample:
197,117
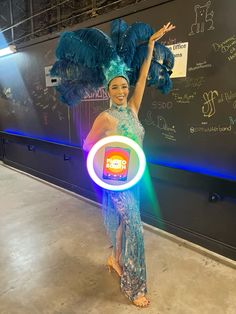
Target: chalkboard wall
192,128
27,106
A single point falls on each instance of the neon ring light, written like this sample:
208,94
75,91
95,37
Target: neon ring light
124,141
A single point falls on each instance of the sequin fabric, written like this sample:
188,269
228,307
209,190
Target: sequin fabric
123,207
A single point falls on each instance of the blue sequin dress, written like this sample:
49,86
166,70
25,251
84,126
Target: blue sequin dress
123,207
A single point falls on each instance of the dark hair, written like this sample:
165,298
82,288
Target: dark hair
126,78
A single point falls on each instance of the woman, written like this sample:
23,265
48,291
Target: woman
121,209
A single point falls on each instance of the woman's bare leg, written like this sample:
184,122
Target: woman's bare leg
114,260
118,248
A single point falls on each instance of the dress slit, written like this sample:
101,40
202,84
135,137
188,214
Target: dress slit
133,279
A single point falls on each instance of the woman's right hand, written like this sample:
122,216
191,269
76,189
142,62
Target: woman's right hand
160,33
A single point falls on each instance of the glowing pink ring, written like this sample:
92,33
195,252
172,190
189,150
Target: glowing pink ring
119,139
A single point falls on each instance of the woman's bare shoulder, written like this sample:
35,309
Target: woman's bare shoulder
105,121
102,119
103,116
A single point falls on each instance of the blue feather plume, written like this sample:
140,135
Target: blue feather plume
118,27
159,72
137,61
76,81
163,55
135,34
84,57
69,71
72,92
159,77
90,47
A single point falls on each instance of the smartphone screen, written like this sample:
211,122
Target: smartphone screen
116,163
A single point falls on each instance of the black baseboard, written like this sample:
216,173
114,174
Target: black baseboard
61,183
199,239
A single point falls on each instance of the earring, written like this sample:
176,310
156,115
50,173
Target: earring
110,102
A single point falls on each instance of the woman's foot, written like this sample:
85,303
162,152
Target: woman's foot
112,264
141,302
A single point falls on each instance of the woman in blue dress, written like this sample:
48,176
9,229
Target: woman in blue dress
121,209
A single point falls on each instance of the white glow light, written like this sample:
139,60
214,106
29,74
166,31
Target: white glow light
6,51
116,139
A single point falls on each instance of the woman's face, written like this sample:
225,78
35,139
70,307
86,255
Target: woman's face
118,91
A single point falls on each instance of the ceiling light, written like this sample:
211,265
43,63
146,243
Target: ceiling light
8,50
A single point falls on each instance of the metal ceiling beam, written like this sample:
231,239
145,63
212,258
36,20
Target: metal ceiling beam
11,20
31,17
31,14
60,15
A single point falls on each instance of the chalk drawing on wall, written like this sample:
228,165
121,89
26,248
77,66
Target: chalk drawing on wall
203,19
209,109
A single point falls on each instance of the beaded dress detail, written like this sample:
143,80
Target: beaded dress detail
124,207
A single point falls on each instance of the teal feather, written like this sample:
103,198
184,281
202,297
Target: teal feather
163,55
137,61
90,47
135,34
159,77
72,92
76,80
69,71
159,73
87,59
118,27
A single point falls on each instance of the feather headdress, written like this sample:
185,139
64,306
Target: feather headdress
88,59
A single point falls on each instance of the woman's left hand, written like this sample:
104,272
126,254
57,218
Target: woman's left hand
161,32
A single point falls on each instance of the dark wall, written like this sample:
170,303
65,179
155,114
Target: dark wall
1,148
192,206
27,105
192,128
57,163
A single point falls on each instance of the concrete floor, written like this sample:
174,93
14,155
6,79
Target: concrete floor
53,249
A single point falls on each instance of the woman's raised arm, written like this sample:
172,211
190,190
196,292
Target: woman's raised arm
136,99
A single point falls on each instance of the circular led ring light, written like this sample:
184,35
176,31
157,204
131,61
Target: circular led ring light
119,139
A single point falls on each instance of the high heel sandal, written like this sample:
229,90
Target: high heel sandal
113,265
141,302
